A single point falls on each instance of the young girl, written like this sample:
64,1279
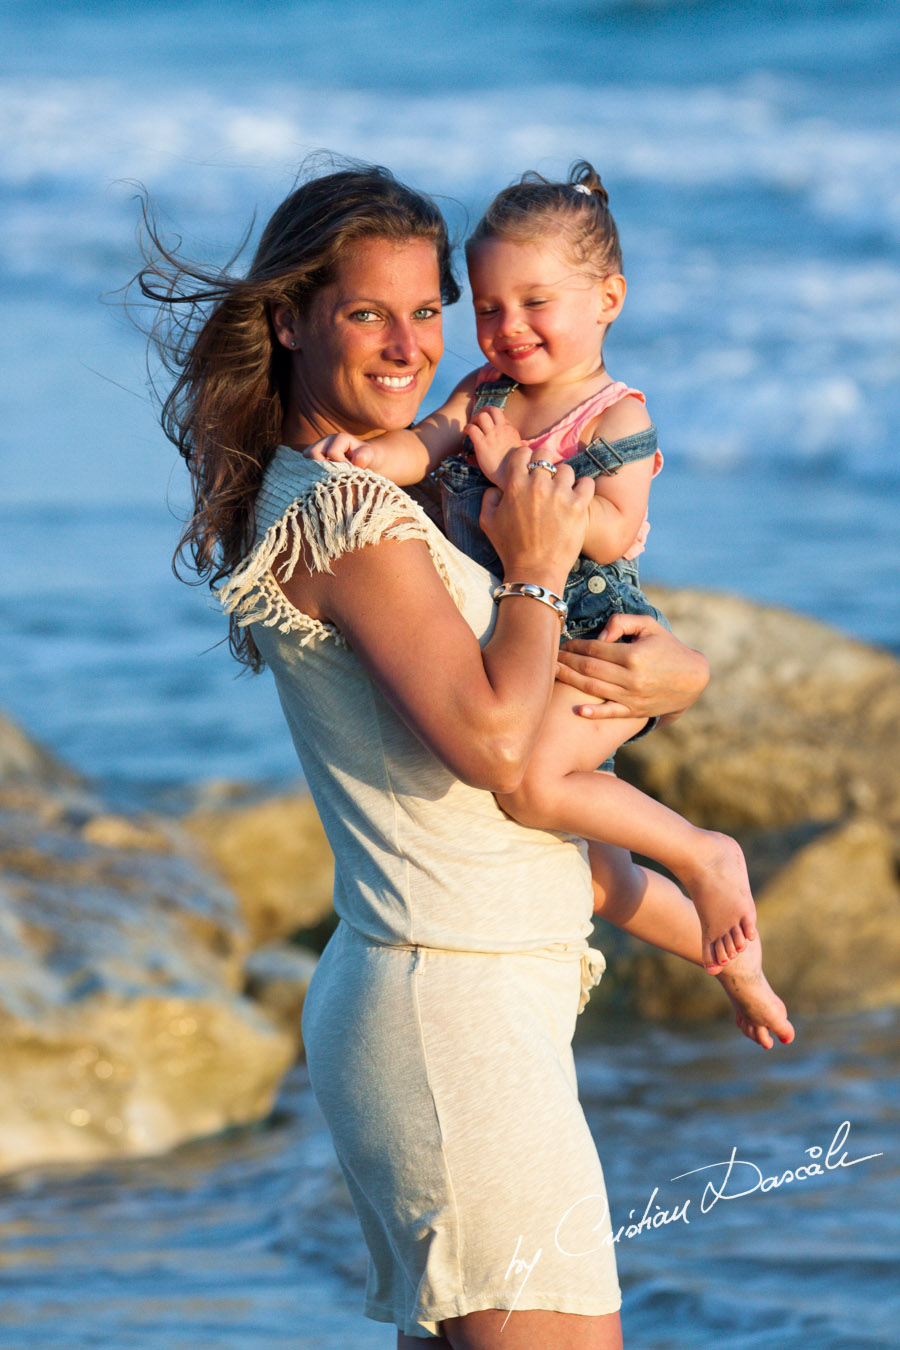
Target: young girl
546,273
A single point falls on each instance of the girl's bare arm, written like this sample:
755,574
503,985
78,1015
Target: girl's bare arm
620,502
405,457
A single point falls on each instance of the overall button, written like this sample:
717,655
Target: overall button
596,584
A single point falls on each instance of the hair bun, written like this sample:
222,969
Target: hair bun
583,177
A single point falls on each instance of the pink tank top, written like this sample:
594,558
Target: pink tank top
562,440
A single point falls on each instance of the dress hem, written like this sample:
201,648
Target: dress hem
378,1312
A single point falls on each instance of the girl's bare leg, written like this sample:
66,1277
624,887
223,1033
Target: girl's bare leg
651,907
562,790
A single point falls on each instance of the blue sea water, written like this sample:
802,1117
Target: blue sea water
752,153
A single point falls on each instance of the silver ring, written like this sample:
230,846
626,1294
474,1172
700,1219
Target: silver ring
542,464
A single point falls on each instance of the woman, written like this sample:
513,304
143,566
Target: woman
439,1021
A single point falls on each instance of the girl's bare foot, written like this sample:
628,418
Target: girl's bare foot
720,889
759,1012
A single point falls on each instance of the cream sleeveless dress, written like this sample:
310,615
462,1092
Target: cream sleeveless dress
439,1020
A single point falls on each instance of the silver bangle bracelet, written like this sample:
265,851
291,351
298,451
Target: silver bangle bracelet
546,597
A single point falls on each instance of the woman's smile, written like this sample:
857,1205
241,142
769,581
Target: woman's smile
395,381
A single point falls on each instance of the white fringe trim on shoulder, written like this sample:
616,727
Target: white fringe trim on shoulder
348,510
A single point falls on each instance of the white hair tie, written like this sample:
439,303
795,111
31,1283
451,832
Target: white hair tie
582,187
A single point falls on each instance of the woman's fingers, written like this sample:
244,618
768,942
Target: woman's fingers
628,625
591,661
489,503
585,675
584,488
541,517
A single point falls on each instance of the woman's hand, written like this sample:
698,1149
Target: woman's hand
537,523
342,448
654,675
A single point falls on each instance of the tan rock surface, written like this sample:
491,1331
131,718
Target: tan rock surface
276,859
123,1026
277,978
799,722
22,760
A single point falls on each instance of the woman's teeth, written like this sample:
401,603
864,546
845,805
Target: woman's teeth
394,381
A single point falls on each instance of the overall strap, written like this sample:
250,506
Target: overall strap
610,458
493,393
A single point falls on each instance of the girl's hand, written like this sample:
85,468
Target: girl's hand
654,675
492,437
537,523
343,448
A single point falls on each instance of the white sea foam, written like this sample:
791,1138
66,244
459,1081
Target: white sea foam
752,134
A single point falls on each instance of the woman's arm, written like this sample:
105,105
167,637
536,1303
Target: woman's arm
479,711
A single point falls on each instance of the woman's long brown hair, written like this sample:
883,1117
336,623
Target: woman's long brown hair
214,335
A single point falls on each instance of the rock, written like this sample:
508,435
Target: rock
798,723
275,858
22,760
123,1025
123,832
830,924
277,978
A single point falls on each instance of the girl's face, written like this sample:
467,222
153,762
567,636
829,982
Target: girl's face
369,344
539,319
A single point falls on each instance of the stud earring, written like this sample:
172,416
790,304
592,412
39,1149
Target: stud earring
293,343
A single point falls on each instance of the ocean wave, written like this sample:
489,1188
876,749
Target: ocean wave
761,231
758,133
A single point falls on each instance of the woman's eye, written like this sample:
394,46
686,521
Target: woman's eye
427,312
364,315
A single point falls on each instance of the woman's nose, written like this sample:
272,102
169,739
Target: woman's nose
402,343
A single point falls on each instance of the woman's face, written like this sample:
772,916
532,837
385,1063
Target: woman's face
369,344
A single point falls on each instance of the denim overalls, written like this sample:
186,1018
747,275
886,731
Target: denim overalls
594,591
